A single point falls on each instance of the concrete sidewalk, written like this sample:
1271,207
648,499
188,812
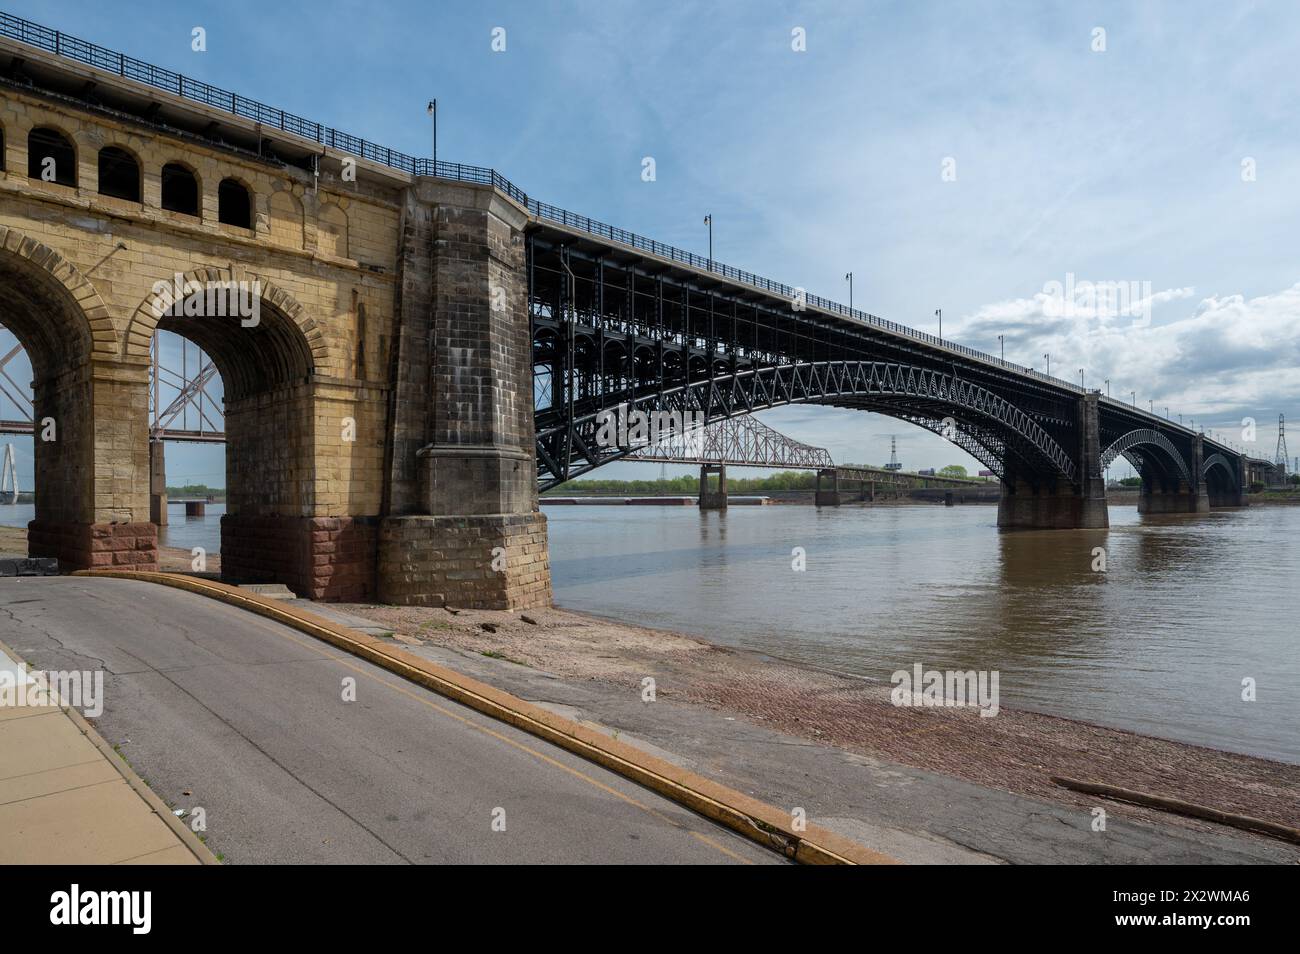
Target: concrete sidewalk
67,798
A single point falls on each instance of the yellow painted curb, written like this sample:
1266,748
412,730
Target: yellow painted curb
156,804
758,821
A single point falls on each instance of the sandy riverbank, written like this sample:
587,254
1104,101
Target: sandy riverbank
1016,751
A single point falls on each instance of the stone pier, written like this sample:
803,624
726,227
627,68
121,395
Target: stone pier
463,527
157,484
1060,504
713,498
828,496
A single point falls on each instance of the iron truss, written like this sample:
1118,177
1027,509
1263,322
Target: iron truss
181,406
569,448
1151,438
739,441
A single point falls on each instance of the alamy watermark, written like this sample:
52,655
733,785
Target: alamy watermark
183,297
1071,299
77,689
619,427
951,688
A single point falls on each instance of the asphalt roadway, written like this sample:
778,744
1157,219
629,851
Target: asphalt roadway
248,716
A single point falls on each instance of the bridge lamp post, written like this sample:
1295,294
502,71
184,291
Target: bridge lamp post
708,220
1151,405
1048,358
1166,413
848,276
1108,387
939,313
1134,395
1002,343
1081,379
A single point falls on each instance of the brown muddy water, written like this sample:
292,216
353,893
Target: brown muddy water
1159,643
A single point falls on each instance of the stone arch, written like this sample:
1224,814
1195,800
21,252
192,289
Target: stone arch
140,331
96,336
286,215
332,230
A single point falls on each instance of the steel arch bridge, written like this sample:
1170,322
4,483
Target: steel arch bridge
622,325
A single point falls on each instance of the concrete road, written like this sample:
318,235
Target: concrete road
248,717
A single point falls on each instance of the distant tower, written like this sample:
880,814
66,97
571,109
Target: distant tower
8,476
893,454
1279,458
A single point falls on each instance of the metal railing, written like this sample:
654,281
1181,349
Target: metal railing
61,44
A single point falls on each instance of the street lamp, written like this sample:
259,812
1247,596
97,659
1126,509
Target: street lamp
939,312
1108,387
1151,405
1166,413
848,276
432,110
708,220
1048,358
1002,343
1134,395
1081,379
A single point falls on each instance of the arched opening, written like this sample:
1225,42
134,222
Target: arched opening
234,204
180,189
119,174
45,397
257,388
51,157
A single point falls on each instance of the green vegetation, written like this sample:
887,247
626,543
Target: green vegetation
198,490
1131,482
689,485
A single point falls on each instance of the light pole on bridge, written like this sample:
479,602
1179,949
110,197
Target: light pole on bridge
1151,405
1134,395
1002,343
1048,358
708,220
1081,379
939,312
848,277
1108,387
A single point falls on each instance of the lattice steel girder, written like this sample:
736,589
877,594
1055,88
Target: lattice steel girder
740,441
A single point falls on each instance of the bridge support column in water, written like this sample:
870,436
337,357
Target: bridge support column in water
1182,496
157,483
830,496
1034,502
711,498
461,525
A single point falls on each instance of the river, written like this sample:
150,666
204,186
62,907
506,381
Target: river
1159,643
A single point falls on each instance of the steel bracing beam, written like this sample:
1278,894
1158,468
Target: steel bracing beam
739,441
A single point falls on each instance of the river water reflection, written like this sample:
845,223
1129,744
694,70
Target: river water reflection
1188,607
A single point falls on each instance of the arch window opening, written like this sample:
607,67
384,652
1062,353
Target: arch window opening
119,174
51,158
180,189
234,204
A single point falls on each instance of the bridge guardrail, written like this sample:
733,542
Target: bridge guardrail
83,51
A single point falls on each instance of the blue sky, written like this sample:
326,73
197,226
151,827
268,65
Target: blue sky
1123,164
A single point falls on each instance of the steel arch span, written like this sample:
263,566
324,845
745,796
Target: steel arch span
1146,437
569,448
